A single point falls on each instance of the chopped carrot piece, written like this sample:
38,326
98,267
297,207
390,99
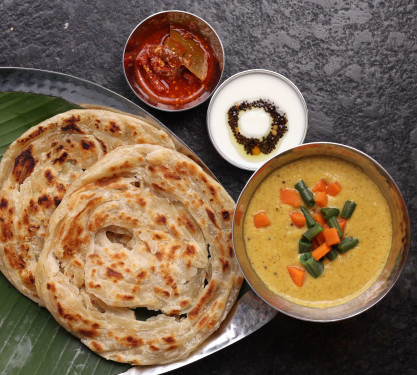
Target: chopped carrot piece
320,186
319,218
320,197
298,219
297,275
334,188
331,236
261,220
321,251
342,224
290,196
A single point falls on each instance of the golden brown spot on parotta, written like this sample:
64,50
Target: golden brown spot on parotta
39,130
157,187
169,339
4,204
184,303
172,175
49,176
51,286
92,285
160,219
113,127
112,274
212,189
61,188
33,208
87,332
225,215
61,159
14,259
119,255
206,296
154,348
103,145
174,231
73,239
231,252
172,251
141,275
97,347
202,321
57,201
225,264
190,250
24,165
106,181
188,224
130,341
6,232
71,126
141,201
28,279
125,297
162,292
45,201
212,217
87,145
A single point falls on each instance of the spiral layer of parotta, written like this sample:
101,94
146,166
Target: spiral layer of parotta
144,227
37,170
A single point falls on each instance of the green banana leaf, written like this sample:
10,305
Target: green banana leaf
31,341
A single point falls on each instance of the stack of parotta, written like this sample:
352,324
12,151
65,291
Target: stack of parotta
99,216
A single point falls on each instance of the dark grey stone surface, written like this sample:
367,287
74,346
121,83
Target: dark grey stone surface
354,62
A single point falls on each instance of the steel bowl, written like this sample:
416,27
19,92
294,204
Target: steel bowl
159,20
400,232
250,85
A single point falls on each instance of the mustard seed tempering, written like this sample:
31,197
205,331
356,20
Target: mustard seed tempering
267,143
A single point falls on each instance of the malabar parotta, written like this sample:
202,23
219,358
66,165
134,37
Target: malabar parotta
36,171
144,227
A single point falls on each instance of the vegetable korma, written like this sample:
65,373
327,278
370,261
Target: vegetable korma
272,232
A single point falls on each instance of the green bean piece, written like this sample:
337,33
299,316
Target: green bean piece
312,232
348,209
309,219
328,212
332,254
332,222
304,246
347,244
308,197
313,267
305,193
301,185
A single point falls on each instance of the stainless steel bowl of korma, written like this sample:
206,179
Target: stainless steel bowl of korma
321,232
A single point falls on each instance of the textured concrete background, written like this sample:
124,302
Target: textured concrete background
354,62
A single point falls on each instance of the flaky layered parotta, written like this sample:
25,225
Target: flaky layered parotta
144,227
38,168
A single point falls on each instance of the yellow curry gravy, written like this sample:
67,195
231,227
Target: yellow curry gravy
272,249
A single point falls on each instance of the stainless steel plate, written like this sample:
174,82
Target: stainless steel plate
31,339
